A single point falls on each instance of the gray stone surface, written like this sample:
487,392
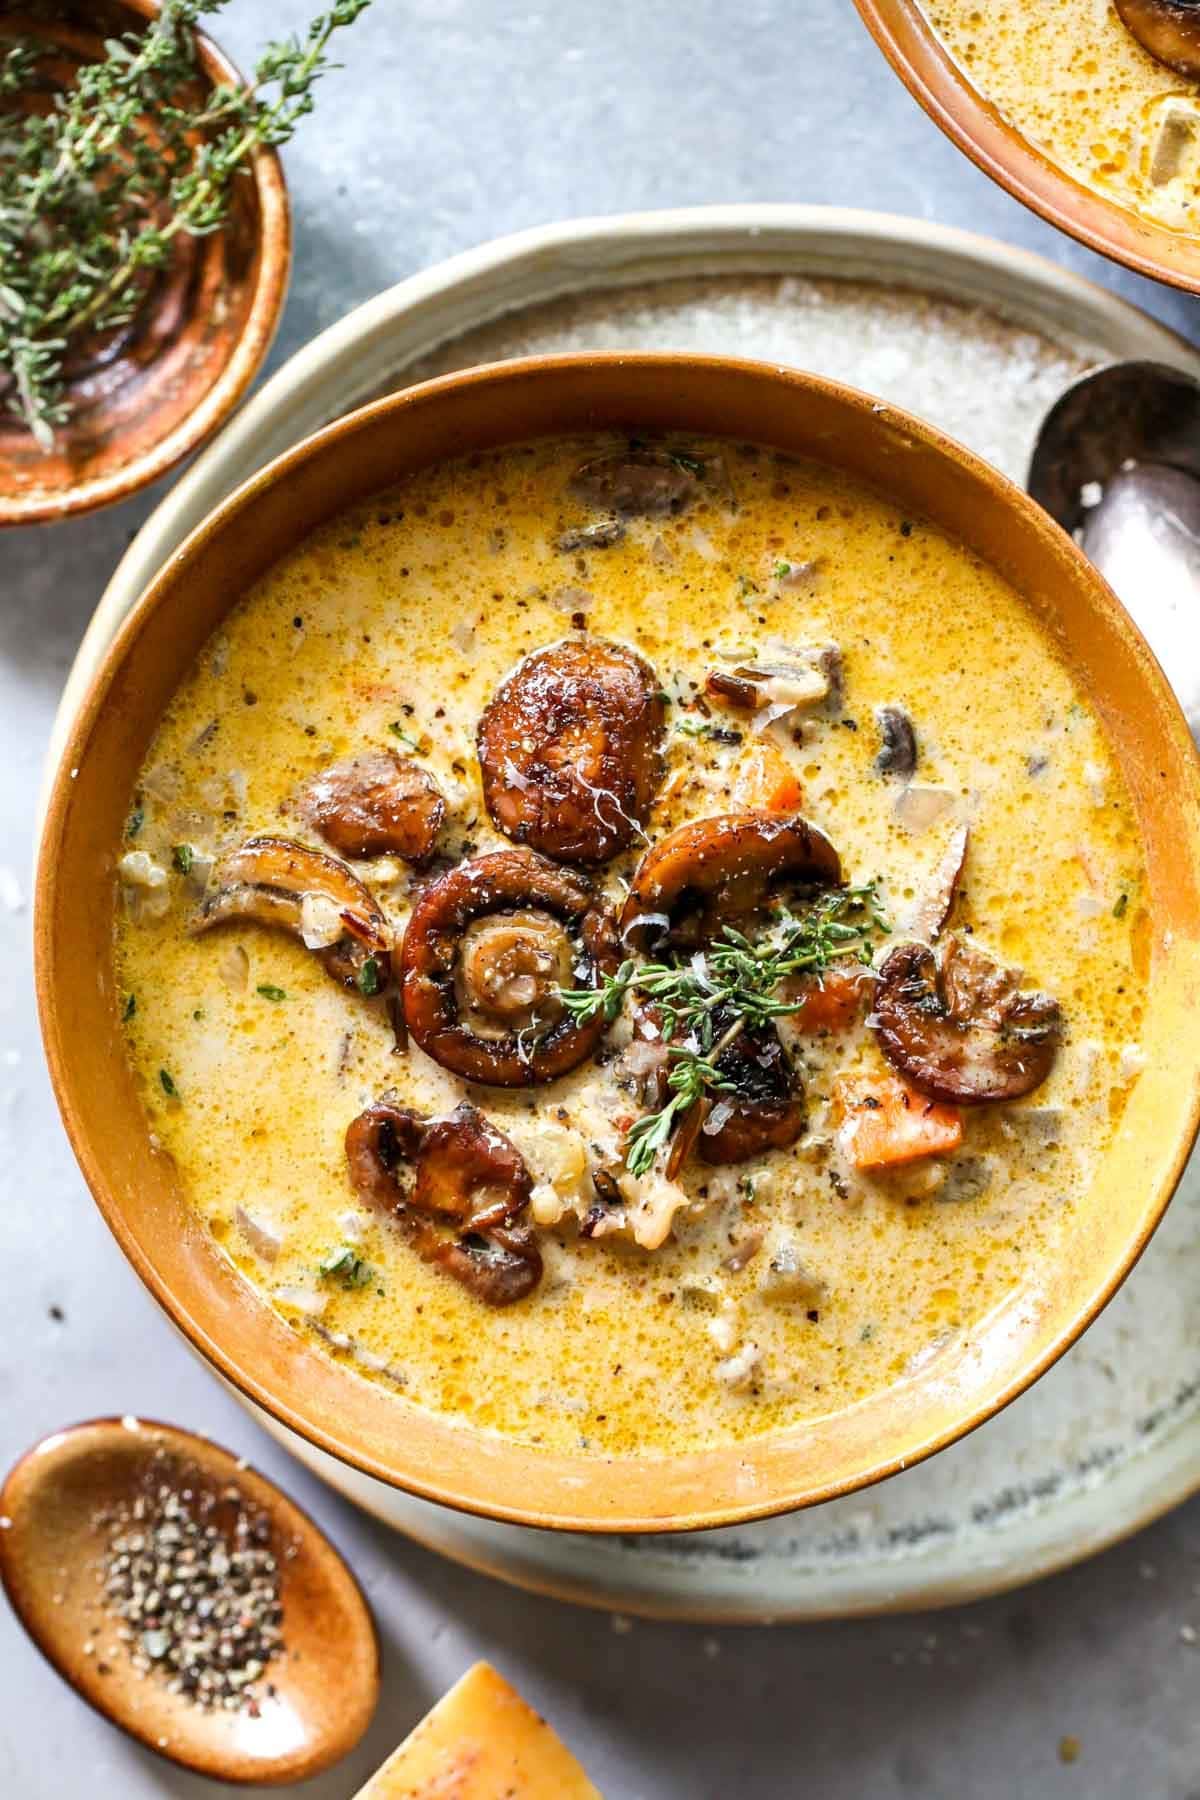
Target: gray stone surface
453,121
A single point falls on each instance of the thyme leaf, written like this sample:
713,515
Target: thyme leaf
96,187
707,1001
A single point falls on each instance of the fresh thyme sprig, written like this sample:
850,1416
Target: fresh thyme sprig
95,190
707,1001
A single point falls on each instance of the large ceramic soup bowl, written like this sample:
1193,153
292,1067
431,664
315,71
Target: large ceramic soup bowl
1065,106
661,646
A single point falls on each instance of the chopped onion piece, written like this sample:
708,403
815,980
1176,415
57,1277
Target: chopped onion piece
320,921
641,1058
262,1236
769,714
799,683
642,920
917,808
301,1299
234,967
718,1118
738,1371
139,870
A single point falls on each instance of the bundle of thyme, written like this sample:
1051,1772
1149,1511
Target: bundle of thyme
95,190
707,1001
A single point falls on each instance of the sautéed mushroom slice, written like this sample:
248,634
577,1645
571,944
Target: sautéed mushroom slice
274,882
640,483
377,804
897,742
458,1189
570,750
718,872
1168,29
762,1108
961,1029
488,948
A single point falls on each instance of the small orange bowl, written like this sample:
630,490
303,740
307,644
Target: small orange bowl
157,389
138,1191
967,117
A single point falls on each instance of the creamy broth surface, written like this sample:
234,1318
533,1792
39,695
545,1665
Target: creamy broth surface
403,617
1076,82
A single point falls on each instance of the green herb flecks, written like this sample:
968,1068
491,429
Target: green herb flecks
270,992
692,1077
183,856
707,728
368,977
128,1008
692,464
166,1082
706,1002
134,822
96,185
1121,907
346,1266
406,737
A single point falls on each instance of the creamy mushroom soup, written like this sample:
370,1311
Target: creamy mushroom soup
1108,89
634,945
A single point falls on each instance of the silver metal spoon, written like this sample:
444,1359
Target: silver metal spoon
1117,463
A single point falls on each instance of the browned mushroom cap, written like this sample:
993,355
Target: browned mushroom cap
897,742
764,1111
1168,29
487,948
714,872
275,882
571,750
962,1030
379,804
461,1208
639,483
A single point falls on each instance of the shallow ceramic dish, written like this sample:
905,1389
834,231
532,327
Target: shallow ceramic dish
906,38
161,386
384,1435
979,337
58,1501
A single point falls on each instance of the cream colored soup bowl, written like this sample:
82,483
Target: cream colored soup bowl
377,1430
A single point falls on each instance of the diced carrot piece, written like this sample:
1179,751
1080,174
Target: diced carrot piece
888,1123
764,781
828,1002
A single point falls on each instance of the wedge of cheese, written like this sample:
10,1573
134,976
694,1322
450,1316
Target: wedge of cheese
481,1742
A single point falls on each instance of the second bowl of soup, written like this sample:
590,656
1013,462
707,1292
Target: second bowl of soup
1089,113
637,912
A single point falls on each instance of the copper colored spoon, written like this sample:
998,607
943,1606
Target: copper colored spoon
52,1543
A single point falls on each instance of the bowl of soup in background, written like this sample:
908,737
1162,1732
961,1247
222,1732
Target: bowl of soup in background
138,1187
1098,192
